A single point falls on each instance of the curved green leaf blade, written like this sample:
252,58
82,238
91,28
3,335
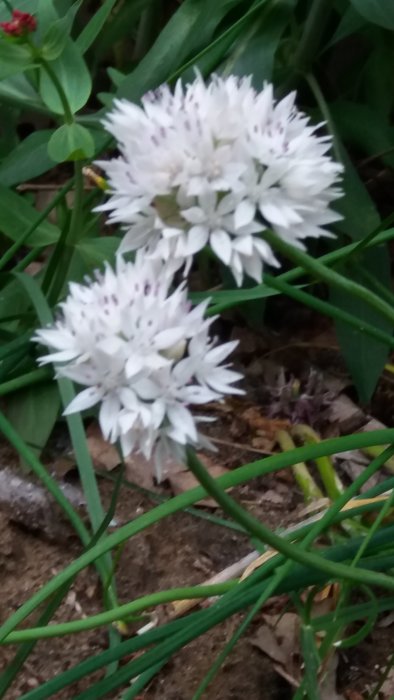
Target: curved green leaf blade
33,413
94,26
28,160
190,28
14,58
18,216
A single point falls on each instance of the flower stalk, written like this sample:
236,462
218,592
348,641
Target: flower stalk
330,276
328,475
304,479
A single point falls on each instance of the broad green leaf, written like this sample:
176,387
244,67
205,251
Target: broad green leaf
96,251
70,142
360,215
57,34
28,160
18,216
377,11
94,26
74,77
18,91
364,356
33,413
14,58
190,29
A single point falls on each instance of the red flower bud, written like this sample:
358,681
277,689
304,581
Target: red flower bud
22,23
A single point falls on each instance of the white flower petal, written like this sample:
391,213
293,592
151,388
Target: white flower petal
220,243
85,399
244,214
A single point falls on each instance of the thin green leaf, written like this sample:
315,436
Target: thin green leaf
255,52
191,27
311,662
28,160
33,413
18,216
94,26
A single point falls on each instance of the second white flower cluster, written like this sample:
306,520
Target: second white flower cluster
143,354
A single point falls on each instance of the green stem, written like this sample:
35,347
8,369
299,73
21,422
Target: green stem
324,109
233,478
267,537
305,481
332,278
136,606
380,289
328,309
329,477
328,259
32,255
35,377
122,612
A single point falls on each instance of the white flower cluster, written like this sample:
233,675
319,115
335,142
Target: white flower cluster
215,165
143,353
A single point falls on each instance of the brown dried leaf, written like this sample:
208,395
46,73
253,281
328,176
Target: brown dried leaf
103,454
345,414
278,638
